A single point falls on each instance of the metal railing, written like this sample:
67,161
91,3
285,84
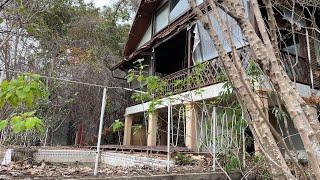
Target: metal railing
207,73
195,77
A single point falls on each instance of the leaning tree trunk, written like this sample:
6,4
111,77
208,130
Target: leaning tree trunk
247,96
297,108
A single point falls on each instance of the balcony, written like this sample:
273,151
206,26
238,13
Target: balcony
209,73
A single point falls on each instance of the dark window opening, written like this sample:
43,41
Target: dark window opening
171,56
288,45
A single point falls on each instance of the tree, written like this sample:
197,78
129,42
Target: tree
71,40
266,53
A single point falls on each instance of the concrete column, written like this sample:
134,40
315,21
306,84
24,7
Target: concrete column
191,126
152,128
127,130
263,96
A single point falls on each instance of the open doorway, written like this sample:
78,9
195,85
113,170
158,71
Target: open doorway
171,55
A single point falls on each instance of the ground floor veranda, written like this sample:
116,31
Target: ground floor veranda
198,125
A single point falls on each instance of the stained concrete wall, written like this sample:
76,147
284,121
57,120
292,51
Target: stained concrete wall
88,156
64,155
127,160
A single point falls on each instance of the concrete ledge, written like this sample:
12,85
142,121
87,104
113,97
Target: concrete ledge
87,156
128,160
64,155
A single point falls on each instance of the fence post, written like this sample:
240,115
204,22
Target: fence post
214,140
103,107
168,136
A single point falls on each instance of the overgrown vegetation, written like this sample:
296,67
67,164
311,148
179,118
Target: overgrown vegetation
21,94
65,39
183,159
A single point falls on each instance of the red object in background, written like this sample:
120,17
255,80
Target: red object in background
79,135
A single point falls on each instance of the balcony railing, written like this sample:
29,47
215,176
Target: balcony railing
208,73
195,77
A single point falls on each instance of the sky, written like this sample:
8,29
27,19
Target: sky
100,3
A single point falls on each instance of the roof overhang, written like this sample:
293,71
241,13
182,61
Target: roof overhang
140,24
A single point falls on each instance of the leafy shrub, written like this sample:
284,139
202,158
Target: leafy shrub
22,92
182,159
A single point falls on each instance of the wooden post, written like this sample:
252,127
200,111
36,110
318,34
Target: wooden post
152,128
79,135
191,126
127,130
189,54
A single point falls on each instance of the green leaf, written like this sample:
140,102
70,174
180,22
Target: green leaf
35,77
4,84
116,125
140,78
29,29
28,114
3,124
1,20
30,123
16,119
18,127
29,100
22,9
21,94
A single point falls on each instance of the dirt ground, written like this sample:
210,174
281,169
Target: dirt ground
80,171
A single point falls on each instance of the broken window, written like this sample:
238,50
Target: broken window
204,49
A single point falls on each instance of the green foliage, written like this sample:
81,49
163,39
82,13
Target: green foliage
182,159
136,128
155,87
91,34
23,122
254,72
232,163
265,175
116,126
23,90
3,124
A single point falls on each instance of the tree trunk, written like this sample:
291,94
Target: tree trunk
247,97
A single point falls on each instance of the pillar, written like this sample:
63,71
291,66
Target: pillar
127,130
191,126
263,96
152,128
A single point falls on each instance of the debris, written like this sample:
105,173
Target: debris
48,170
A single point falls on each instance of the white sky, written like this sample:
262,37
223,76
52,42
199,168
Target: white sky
100,3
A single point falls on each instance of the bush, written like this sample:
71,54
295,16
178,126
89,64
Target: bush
182,159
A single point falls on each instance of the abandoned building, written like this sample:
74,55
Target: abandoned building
167,36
